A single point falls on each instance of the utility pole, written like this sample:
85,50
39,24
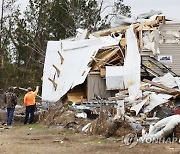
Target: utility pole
1,50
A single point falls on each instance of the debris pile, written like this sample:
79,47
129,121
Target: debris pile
119,80
116,81
154,115
95,64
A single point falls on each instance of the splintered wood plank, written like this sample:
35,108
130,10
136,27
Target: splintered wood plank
158,91
103,72
116,57
109,31
160,86
103,58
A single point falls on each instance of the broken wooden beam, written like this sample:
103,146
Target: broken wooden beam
170,90
158,91
138,26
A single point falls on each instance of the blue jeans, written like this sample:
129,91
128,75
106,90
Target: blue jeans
10,114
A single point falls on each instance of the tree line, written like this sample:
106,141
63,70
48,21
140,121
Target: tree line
24,35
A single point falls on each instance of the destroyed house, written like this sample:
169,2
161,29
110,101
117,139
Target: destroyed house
87,66
160,49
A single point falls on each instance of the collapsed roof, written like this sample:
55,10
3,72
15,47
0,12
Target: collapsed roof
68,62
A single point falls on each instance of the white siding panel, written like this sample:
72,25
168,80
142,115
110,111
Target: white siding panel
171,48
174,50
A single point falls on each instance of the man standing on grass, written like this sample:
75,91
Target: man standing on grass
10,99
30,104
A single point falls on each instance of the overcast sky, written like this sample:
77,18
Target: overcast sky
168,7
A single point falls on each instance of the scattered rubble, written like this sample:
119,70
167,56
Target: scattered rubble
154,115
97,79
119,76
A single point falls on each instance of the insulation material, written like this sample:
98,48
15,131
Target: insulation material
132,65
66,64
149,42
114,77
162,128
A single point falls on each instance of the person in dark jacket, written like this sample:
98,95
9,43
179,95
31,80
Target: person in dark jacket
10,99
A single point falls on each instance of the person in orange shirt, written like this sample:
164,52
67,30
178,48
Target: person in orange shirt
30,103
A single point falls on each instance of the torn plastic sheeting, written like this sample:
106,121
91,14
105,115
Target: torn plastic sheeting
162,128
75,61
132,65
156,100
114,77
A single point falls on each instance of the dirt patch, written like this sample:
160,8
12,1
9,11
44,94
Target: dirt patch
39,139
